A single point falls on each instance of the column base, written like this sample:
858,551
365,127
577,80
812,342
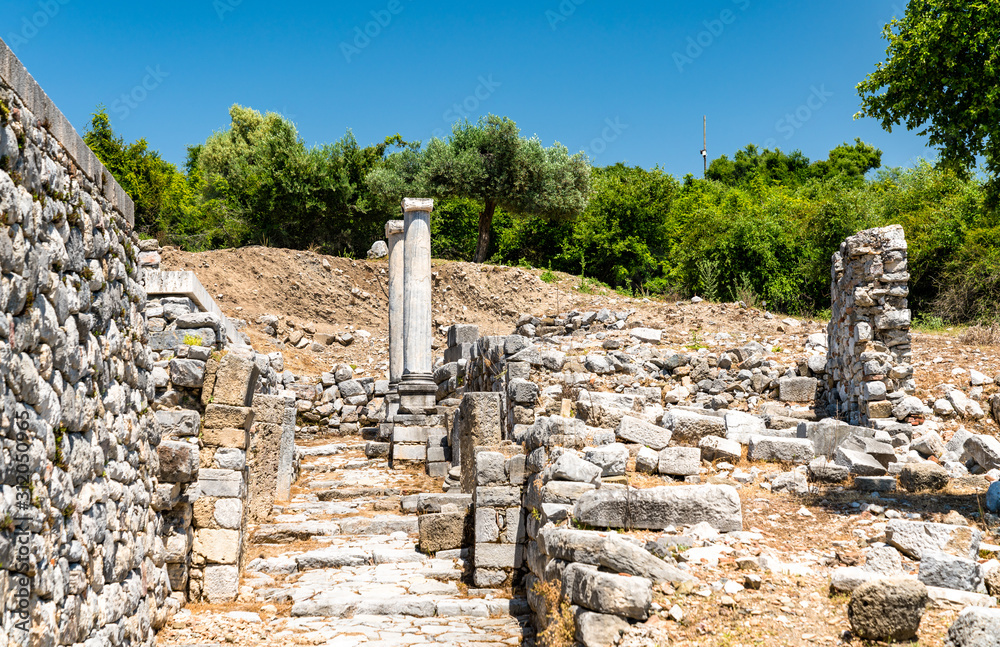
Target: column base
417,394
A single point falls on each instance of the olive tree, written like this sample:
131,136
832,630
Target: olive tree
491,162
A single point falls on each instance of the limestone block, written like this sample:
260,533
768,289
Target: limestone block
618,595
232,438
221,416
680,461
506,556
235,380
788,450
657,508
634,430
187,373
950,572
178,462
180,423
220,483
912,538
441,531
217,546
479,425
797,389
221,584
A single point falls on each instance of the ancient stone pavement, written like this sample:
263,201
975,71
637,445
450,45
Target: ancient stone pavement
339,566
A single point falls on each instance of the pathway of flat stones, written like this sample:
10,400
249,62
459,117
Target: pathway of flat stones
338,565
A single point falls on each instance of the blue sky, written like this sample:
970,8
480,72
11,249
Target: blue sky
624,82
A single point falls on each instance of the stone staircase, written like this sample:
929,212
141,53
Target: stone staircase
338,565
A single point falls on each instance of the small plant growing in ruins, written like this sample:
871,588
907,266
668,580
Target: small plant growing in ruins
7,523
708,278
4,113
29,301
68,511
192,340
696,343
560,626
548,276
535,514
60,460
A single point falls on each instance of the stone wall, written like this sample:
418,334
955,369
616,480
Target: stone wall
81,555
869,365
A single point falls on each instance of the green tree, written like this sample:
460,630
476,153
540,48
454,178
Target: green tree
161,193
942,75
491,163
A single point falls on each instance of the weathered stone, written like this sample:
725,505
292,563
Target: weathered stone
912,538
680,461
714,448
220,416
950,572
612,459
787,450
690,428
630,597
506,556
479,425
441,531
235,380
875,483
657,508
975,627
570,467
178,462
187,373
797,389
930,444
985,450
607,550
741,426
217,546
235,438
915,477
859,463
221,584
887,609
646,460
220,483
824,471
634,430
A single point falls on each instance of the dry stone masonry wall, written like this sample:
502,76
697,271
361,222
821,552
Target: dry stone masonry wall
870,372
80,547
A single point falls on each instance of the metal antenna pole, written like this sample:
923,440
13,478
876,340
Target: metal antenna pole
704,151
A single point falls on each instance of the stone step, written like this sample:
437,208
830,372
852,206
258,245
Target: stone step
339,605
342,494
322,450
284,533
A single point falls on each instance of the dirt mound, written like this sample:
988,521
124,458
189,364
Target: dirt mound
336,295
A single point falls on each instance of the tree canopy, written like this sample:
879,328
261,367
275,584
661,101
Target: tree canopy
491,163
942,76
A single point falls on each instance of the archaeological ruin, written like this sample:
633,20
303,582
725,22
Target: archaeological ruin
581,480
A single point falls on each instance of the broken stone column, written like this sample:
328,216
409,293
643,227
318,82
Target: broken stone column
869,362
416,388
